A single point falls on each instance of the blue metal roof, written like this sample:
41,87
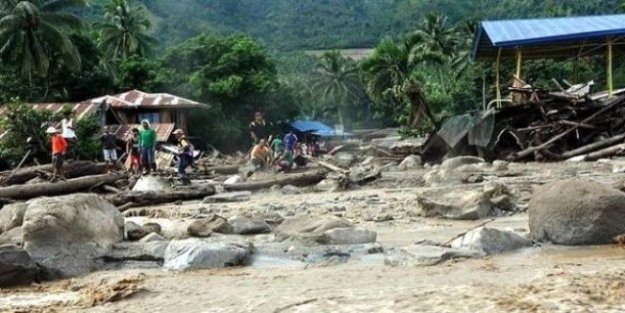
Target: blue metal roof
566,33
314,127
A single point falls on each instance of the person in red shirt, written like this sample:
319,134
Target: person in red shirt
59,149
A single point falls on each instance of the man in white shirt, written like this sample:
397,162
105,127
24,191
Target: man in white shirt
67,125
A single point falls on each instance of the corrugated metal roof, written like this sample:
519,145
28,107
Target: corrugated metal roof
563,36
163,130
136,99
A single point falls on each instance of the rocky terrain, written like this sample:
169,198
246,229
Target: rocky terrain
463,236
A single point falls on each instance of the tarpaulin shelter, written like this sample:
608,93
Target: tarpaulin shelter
315,128
572,37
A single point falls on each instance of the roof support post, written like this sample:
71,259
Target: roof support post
497,78
610,78
519,61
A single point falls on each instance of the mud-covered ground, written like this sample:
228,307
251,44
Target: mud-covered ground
543,278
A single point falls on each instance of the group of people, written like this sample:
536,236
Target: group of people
269,150
140,148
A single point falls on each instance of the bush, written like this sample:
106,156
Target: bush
88,133
21,122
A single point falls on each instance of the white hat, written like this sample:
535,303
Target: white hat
52,130
178,132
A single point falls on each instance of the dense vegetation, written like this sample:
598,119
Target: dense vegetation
248,55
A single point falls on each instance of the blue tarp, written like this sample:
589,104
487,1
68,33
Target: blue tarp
315,128
573,34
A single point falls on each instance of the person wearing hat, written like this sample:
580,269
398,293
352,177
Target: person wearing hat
147,145
185,155
67,126
59,148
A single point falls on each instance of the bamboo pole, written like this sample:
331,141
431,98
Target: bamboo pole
497,83
519,62
610,78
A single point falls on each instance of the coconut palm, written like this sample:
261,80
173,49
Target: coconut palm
391,77
435,39
336,81
125,31
34,32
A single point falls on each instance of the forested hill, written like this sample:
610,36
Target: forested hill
321,24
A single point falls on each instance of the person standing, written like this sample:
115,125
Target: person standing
147,146
109,149
290,141
59,149
259,130
132,149
185,155
68,133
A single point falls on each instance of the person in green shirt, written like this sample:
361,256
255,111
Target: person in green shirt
285,161
277,146
147,145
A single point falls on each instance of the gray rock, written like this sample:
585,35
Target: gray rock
491,241
242,225
348,236
453,163
233,180
16,266
411,161
308,228
152,237
132,231
66,234
344,159
424,255
193,253
499,165
137,251
328,185
14,236
151,183
206,226
290,190
459,205
12,216
576,212
238,196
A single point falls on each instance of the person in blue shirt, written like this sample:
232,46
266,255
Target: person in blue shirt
290,140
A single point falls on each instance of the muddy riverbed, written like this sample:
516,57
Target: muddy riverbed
543,278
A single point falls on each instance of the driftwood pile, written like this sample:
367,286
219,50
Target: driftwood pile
560,128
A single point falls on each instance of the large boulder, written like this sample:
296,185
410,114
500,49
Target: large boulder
194,253
491,241
348,236
243,225
16,266
411,161
66,234
576,212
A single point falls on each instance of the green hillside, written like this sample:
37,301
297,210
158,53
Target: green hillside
323,24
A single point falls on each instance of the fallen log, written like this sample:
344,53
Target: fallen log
128,199
70,170
63,187
224,169
603,153
333,168
521,154
298,180
594,146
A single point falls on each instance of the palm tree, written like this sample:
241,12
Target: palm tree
336,81
125,32
435,39
391,77
33,32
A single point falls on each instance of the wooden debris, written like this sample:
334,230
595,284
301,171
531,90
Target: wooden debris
298,180
63,187
70,170
129,199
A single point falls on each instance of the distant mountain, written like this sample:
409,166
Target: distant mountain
323,24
